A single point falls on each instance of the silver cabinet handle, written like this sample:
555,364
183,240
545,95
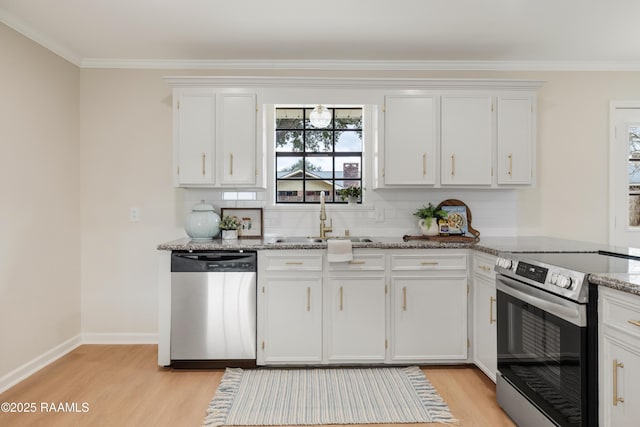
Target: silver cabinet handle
341,306
230,163
204,156
491,318
424,164
308,298
404,298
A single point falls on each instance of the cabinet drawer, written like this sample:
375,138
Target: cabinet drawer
426,261
483,265
292,262
621,310
360,262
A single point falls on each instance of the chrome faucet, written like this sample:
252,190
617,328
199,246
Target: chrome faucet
323,217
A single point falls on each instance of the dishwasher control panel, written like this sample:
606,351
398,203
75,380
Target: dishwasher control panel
219,261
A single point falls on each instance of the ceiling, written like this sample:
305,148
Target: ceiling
525,34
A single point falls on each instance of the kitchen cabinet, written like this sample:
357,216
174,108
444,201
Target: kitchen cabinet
356,309
484,314
428,306
290,307
515,136
466,140
619,358
194,129
216,138
410,135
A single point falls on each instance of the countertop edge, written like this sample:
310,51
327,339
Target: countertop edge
618,282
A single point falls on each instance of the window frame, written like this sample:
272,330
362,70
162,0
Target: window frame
333,155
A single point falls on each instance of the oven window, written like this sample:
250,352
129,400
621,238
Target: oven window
544,357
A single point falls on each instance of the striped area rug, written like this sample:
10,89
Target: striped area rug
266,397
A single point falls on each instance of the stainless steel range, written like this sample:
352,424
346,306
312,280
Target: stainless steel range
547,336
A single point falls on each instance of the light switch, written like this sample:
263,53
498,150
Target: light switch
134,214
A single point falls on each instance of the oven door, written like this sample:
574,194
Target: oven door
542,349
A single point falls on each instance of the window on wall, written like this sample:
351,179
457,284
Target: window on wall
634,176
310,161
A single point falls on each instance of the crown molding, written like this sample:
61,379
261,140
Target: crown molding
39,38
362,65
349,82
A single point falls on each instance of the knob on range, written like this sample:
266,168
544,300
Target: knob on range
504,263
562,281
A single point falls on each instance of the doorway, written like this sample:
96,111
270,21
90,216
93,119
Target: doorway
624,174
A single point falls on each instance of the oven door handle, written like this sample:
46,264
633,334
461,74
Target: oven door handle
572,312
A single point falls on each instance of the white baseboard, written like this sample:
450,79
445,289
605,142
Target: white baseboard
31,367
119,338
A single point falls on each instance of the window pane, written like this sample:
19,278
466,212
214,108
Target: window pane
289,191
321,167
289,118
288,141
307,123
315,187
350,141
634,210
288,166
348,167
319,141
344,184
348,118
634,143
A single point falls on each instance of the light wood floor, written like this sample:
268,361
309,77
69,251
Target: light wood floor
123,386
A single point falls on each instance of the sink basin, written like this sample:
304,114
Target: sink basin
302,240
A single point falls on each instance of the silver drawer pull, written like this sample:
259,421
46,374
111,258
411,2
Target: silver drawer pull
294,263
429,263
357,261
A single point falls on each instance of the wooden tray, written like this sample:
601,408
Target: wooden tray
475,234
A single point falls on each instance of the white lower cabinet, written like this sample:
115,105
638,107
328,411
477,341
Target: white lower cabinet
289,307
428,306
356,319
484,315
391,306
619,351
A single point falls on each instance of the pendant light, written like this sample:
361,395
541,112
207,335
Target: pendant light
320,117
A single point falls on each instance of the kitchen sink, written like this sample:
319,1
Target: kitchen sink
303,240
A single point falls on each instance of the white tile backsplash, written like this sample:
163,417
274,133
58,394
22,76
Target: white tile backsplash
494,211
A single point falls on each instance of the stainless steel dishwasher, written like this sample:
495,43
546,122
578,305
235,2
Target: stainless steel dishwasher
213,309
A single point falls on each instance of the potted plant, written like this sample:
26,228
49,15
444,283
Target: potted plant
351,194
229,226
429,216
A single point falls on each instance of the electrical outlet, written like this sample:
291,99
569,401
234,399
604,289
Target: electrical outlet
134,214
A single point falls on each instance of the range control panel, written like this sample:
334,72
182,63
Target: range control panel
532,272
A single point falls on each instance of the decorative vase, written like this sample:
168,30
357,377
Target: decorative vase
351,200
432,230
229,234
202,223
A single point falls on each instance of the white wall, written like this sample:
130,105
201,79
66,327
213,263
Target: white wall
40,209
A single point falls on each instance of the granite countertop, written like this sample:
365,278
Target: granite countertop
629,283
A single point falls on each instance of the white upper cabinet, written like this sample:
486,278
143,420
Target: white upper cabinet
237,138
410,135
515,135
466,140
195,128
216,138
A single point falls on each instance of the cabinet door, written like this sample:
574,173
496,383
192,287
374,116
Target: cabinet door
485,338
356,324
237,139
410,140
620,391
195,138
466,140
515,139
429,318
292,320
